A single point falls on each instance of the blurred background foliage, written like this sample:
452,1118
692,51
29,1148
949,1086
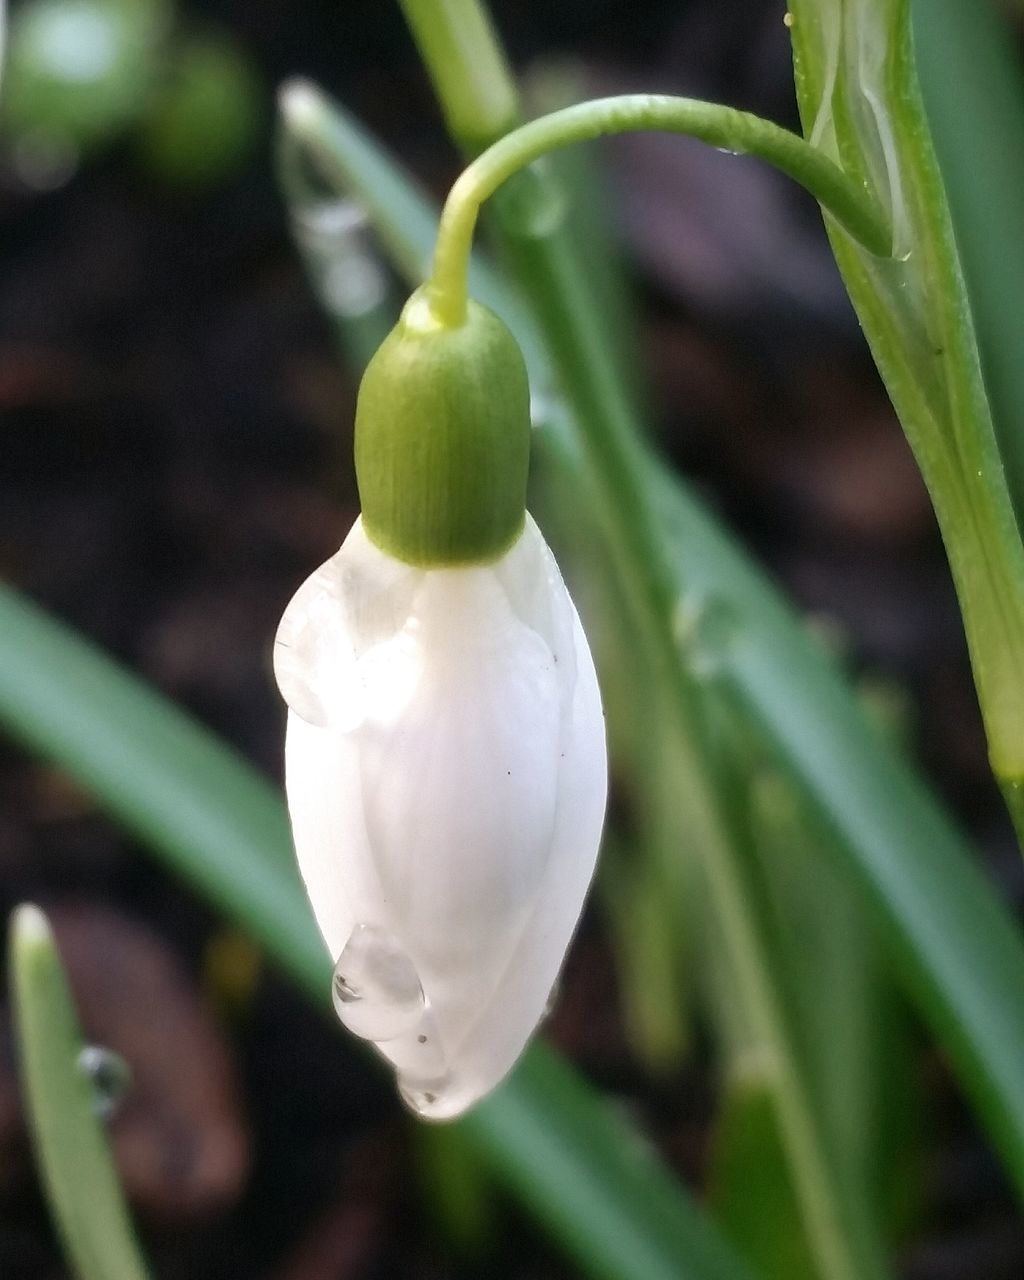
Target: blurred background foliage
177,443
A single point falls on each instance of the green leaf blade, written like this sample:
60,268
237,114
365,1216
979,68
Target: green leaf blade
973,88
957,945
565,1160
70,1143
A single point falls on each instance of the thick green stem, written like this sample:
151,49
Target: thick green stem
468,66
734,131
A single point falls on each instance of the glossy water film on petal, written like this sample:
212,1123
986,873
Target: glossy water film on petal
377,992
446,778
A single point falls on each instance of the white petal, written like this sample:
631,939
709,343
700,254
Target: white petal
492,1045
355,600
326,808
446,800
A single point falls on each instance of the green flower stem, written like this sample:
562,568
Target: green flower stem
843,1241
70,1142
722,127
468,66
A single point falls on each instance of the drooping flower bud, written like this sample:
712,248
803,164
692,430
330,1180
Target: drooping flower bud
446,766
443,438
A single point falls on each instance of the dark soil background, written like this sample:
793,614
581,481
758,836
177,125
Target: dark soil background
175,435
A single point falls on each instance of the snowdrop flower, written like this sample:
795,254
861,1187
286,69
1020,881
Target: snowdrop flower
445,757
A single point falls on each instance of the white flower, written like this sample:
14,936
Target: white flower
446,776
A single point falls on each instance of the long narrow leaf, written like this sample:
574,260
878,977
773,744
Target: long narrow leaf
972,80
71,1146
959,950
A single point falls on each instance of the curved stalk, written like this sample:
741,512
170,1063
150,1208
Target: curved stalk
737,132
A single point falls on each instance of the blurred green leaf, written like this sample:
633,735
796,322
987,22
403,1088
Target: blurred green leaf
342,263
830,954
79,71
203,110
578,1144
454,1186
751,1188
972,79
647,924
854,1020
648,885
70,1143
953,941
584,1173
852,1038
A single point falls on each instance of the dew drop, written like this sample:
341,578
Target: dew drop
335,242
376,990
421,1095
109,1074
706,628
314,665
300,695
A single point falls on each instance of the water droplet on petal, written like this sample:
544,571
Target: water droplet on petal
377,992
110,1076
421,1095
314,664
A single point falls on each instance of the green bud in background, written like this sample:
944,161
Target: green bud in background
79,72
442,439
201,120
